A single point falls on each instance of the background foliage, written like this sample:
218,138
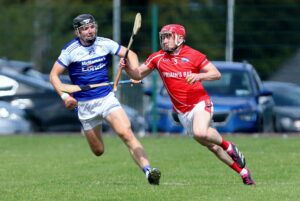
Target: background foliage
266,32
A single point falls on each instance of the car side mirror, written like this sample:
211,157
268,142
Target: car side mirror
265,92
264,96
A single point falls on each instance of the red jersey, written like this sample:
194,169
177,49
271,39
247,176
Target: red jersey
173,70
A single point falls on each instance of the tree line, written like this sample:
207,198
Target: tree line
265,34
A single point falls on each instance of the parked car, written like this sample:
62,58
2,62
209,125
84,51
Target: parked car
165,121
44,107
41,103
287,105
13,120
27,69
241,104
20,67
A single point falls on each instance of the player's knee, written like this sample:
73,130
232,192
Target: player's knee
201,135
126,135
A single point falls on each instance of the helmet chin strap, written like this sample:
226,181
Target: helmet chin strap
91,40
178,43
171,50
87,42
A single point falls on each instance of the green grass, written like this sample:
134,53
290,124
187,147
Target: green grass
61,167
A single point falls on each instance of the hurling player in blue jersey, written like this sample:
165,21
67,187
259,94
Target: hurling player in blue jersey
86,59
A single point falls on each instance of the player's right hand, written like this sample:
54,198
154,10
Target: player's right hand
70,103
193,77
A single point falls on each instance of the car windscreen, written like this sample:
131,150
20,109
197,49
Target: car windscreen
234,83
286,96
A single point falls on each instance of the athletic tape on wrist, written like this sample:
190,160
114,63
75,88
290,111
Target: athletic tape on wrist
64,96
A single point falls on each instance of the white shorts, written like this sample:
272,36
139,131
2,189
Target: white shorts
92,112
186,119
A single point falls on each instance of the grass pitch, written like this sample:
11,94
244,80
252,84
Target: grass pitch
62,168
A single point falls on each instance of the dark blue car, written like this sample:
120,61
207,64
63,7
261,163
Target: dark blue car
163,120
241,104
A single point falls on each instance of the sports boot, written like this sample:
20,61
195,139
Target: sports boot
237,156
154,176
247,179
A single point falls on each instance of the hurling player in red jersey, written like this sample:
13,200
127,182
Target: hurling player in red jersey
182,70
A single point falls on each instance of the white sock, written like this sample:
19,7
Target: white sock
147,174
229,148
244,171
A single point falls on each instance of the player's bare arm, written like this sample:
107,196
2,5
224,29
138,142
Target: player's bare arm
137,72
208,72
56,71
130,64
133,69
132,57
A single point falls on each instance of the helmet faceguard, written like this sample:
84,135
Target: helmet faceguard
83,21
172,30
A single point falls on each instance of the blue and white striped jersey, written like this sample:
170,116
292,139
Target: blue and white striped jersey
89,65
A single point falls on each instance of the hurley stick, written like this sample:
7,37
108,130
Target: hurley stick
70,88
136,27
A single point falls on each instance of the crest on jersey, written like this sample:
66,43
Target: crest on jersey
185,60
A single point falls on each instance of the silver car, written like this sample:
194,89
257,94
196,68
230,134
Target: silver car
13,120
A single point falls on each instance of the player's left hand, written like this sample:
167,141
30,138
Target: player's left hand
123,63
192,78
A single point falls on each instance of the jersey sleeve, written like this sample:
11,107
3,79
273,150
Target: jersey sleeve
112,46
64,58
152,60
201,60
